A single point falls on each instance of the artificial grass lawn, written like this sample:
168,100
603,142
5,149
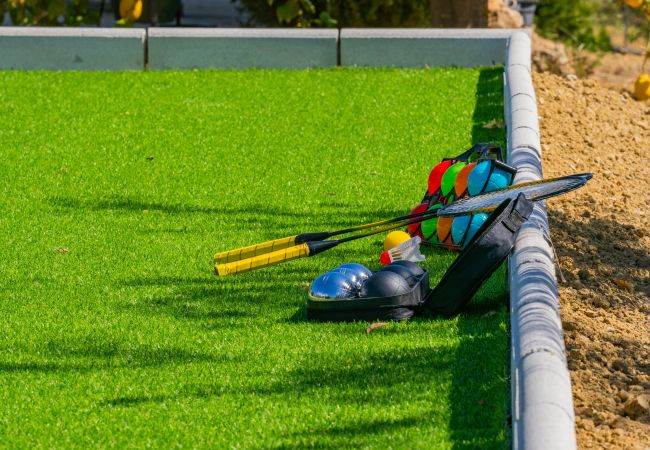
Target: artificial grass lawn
119,187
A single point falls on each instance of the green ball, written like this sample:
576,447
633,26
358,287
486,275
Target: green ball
429,227
449,178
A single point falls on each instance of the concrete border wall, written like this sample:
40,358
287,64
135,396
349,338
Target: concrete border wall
36,48
542,402
201,48
423,47
33,48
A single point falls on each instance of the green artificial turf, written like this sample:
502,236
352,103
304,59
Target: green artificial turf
117,189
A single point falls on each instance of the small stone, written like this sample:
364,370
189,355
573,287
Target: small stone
568,326
622,284
584,292
623,395
635,407
618,426
601,303
587,424
586,412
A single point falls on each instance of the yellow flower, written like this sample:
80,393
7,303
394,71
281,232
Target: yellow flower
634,3
131,10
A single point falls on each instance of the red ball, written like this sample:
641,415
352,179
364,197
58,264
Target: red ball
435,177
415,229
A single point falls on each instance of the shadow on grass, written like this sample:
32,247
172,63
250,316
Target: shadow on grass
128,204
348,435
489,107
479,403
97,353
220,302
336,213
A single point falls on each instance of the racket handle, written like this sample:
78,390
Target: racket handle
259,261
239,254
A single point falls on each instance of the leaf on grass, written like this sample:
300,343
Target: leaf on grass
622,284
489,313
62,250
494,123
374,326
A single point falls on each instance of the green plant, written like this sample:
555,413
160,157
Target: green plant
571,22
48,12
298,13
384,13
345,13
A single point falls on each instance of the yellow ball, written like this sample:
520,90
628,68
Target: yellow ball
642,87
395,238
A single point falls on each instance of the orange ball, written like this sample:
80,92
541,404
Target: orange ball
444,230
460,186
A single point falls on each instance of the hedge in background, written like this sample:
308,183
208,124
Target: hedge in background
345,13
571,22
48,12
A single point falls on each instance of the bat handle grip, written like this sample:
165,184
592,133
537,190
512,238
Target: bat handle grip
250,251
259,261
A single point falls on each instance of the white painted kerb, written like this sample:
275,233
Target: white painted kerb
367,47
39,48
241,48
542,403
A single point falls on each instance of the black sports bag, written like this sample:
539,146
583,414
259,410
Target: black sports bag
483,255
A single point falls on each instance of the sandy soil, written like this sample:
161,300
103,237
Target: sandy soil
618,71
602,237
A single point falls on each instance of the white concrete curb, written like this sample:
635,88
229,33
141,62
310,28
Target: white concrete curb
243,48
423,47
542,403
35,48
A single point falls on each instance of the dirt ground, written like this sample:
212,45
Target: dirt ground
618,71
602,237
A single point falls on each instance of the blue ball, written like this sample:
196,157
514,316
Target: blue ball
333,285
479,175
471,224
